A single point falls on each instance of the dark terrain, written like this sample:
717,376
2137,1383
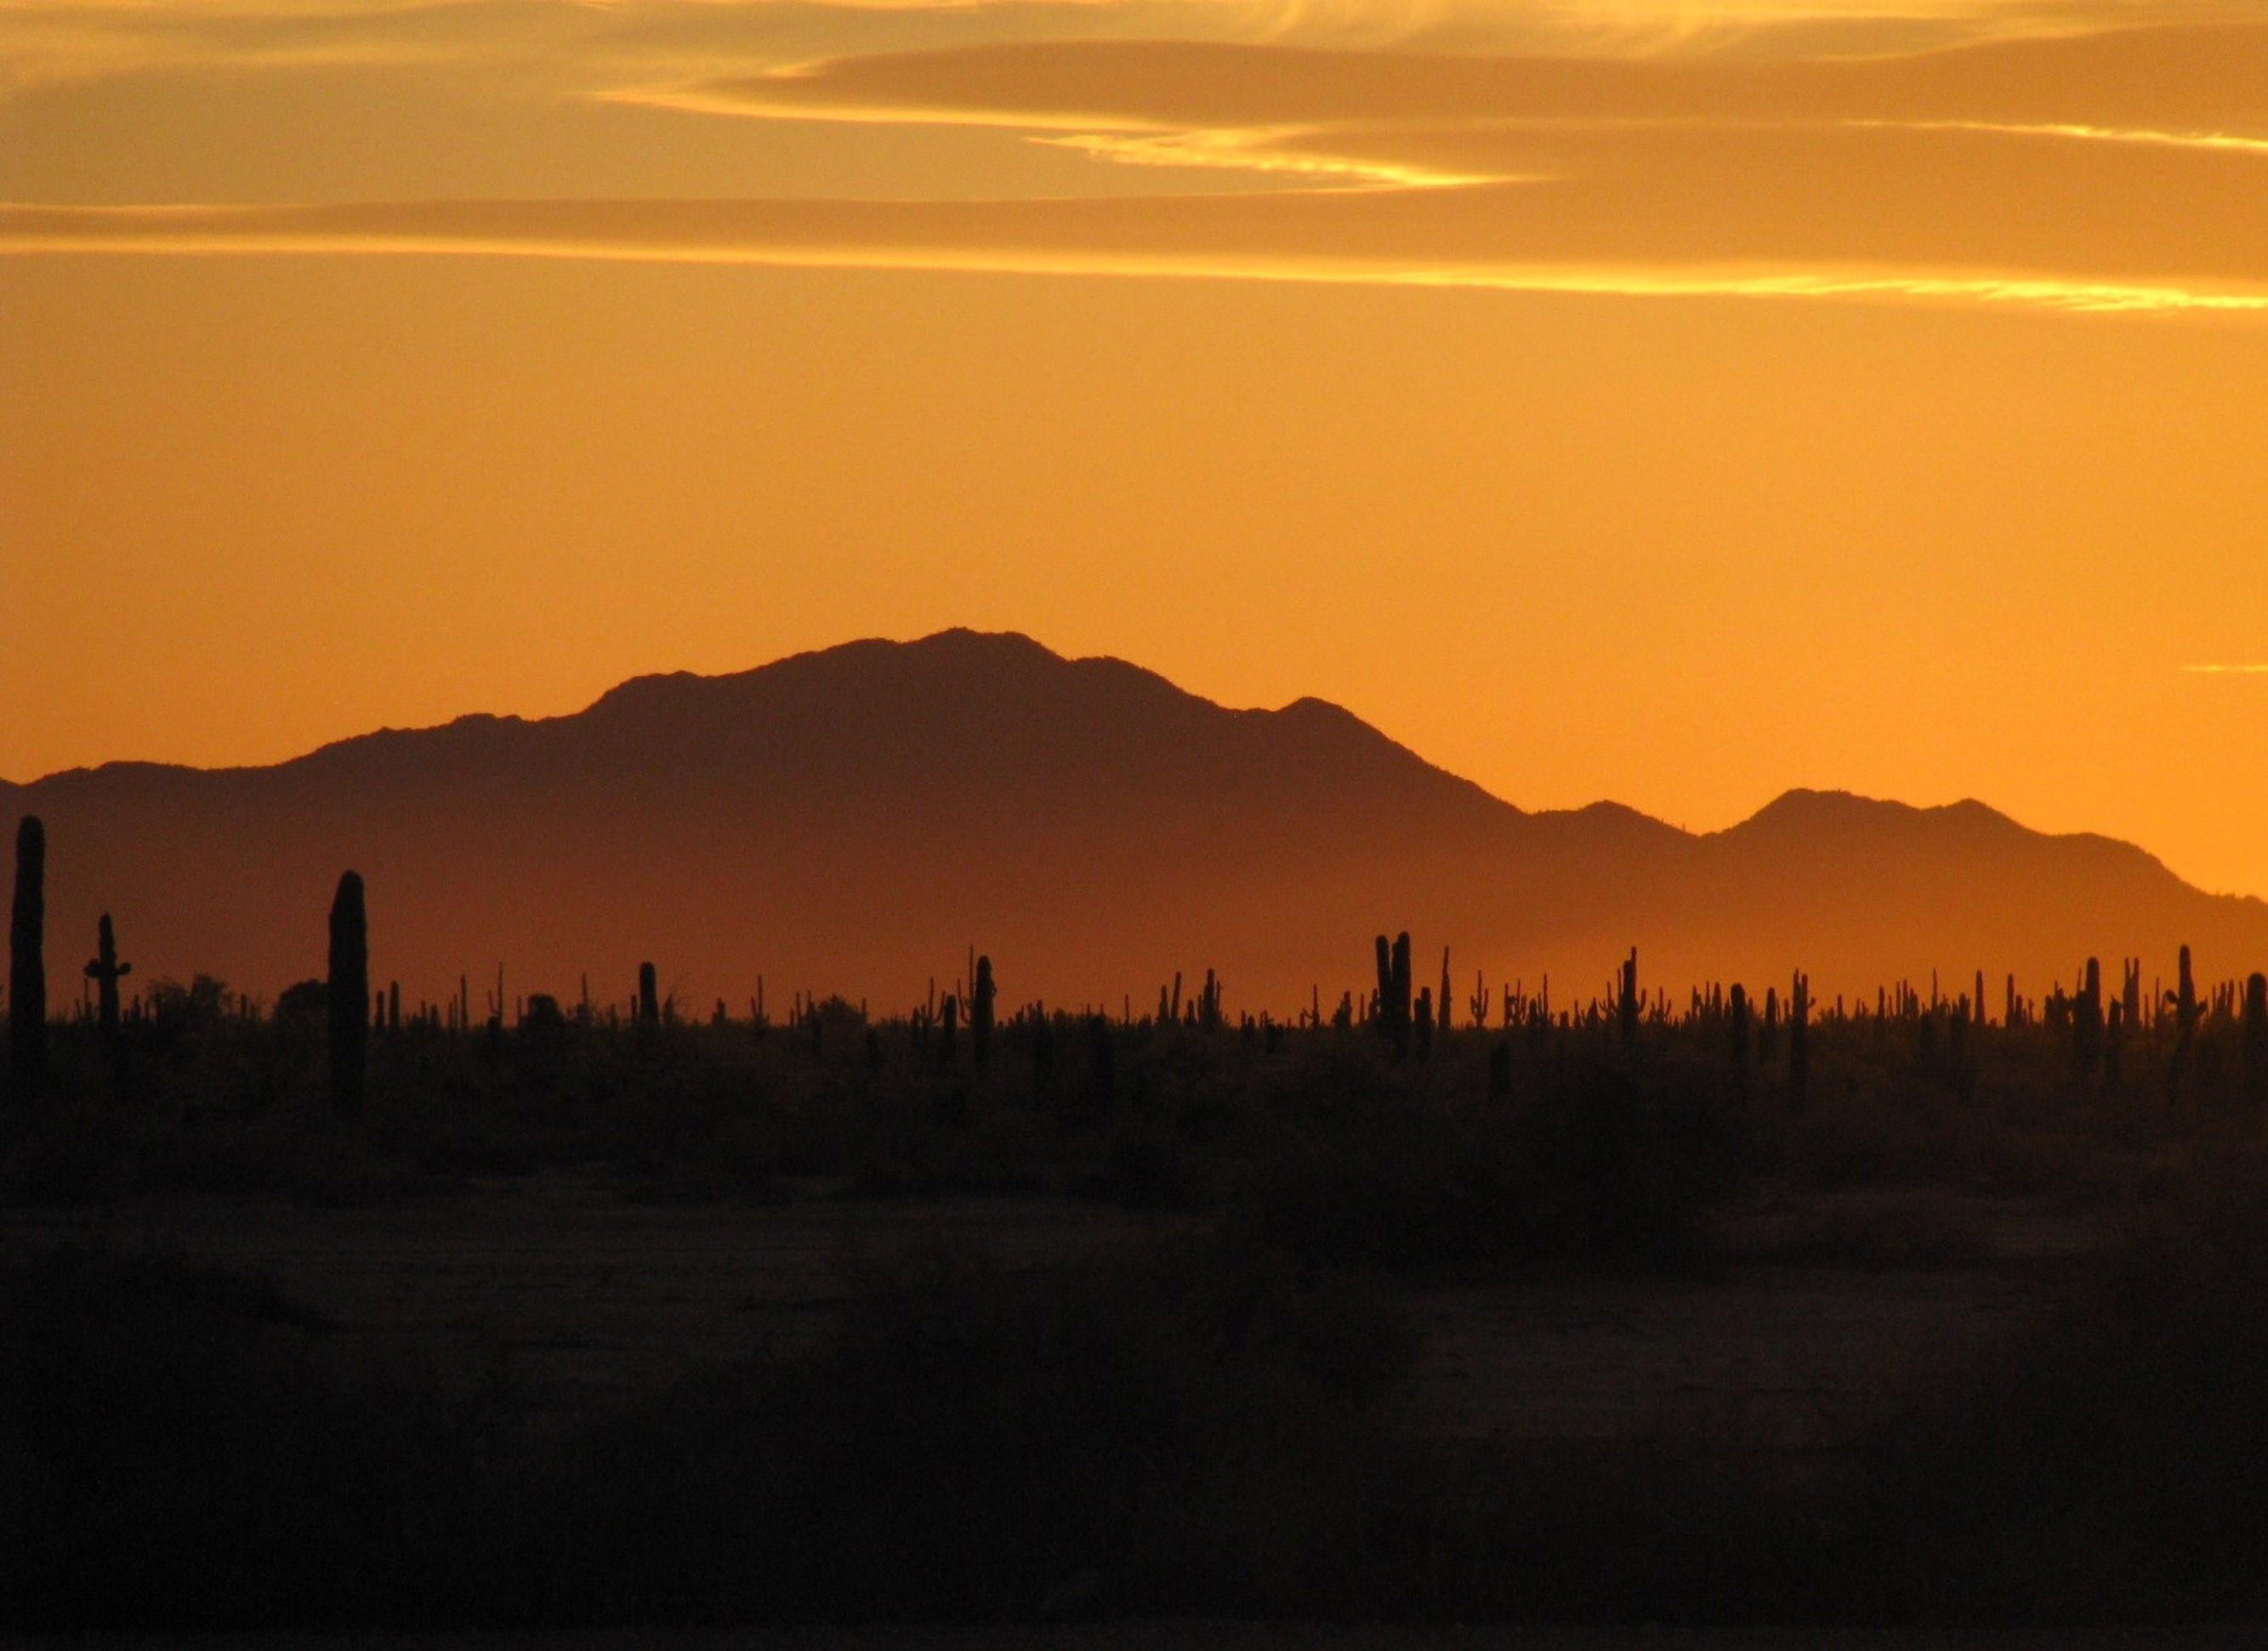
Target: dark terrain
591,1326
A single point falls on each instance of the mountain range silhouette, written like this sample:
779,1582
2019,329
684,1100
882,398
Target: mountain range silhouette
853,819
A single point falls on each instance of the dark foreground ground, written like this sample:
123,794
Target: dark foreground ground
1820,1312
1140,1330
1209,1636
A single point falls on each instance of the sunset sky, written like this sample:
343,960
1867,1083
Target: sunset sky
1658,400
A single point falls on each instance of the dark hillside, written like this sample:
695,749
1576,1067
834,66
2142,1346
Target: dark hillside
852,819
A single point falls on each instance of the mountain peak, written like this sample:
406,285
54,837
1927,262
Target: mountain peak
851,818
1805,810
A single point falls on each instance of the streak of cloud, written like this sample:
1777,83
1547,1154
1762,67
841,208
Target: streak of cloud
2208,81
1322,236
1271,150
2096,171
599,46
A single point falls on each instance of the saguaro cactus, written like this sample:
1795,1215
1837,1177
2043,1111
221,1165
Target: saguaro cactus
1394,993
27,969
1628,1002
1799,1044
105,971
649,1001
1398,1012
2186,1024
350,994
2087,1022
2256,1041
1737,1036
1441,1003
980,1014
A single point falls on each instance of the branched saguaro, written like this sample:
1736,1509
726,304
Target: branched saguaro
1394,993
1799,1044
2087,1022
1400,1012
980,1014
27,971
2186,1024
105,971
2256,1041
348,995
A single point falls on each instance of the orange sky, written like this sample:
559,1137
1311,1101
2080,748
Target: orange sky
1667,401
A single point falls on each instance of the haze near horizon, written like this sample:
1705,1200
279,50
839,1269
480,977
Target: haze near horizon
1670,403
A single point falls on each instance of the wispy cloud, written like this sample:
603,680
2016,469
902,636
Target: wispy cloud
1413,119
2088,172
1316,236
602,44
2159,81
1304,154
2227,670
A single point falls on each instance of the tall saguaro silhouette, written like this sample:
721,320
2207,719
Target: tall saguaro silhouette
27,971
2087,1022
1394,992
2186,1024
980,1014
1799,1044
2255,1045
1736,1039
105,971
350,994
